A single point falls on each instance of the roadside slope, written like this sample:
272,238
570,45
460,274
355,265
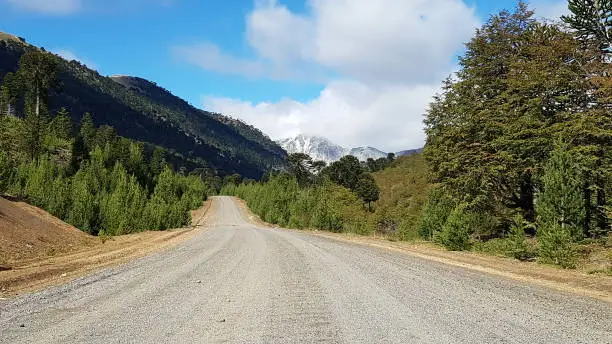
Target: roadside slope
41,250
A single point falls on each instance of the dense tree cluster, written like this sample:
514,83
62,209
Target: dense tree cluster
525,129
91,177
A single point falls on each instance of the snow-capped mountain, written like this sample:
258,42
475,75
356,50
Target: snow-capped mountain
365,153
320,148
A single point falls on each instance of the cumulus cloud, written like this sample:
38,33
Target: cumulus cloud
382,61
55,7
347,112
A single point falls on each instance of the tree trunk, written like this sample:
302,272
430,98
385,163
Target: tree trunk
527,201
602,220
587,205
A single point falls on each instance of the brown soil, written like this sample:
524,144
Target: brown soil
573,281
41,250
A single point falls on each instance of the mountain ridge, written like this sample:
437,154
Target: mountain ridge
321,148
140,109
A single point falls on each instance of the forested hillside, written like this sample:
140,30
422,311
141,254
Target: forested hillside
518,158
141,110
86,175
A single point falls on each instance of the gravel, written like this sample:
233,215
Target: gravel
238,283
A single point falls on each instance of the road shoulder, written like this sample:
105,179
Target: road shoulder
568,281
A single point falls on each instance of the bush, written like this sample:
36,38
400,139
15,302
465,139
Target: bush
435,213
518,247
455,234
556,246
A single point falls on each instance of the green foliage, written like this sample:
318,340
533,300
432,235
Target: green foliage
517,243
345,172
591,20
326,206
435,213
560,203
556,246
6,171
61,125
367,189
455,234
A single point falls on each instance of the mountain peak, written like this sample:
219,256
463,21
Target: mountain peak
321,148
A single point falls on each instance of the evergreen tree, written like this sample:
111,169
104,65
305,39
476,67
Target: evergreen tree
158,161
591,20
84,204
38,73
79,153
367,189
9,94
61,125
87,130
560,204
345,172
299,165
6,171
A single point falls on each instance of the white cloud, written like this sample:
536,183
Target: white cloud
550,9
347,112
54,7
69,55
387,58
383,41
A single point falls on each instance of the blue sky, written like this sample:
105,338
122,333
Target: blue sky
357,71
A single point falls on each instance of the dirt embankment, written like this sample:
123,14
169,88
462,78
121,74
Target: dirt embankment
573,281
40,250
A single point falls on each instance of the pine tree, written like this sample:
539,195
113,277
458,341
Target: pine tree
88,131
61,125
345,172
592,25
9,93
591,20
367,189
38,73
560,203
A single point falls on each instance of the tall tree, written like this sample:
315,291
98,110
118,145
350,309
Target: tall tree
490,132
38,74
367,189
345,172
592,21
300,166
592,24
560,203
9,94
88,130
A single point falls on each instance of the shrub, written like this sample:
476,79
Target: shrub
435,213
455,234
517,243
556,246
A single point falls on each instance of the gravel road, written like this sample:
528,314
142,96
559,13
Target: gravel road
238,283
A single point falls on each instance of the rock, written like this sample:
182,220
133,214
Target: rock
5,268
22,325
198,281
222,320
63,275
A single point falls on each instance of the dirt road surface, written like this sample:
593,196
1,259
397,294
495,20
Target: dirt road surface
241,283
